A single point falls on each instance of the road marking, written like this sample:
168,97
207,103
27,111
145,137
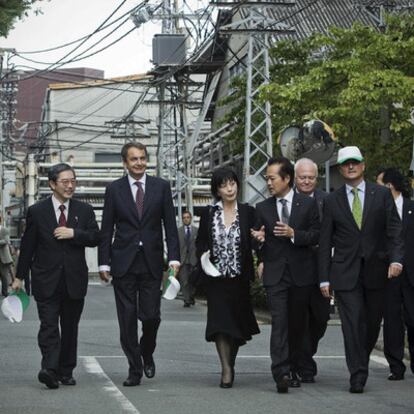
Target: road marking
93,367
379,360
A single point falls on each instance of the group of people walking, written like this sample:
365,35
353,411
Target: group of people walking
306,242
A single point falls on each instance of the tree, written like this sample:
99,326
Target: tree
358,80
10,10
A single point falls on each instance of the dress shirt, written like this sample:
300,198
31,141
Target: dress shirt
57,204
361,193
289,198
399,205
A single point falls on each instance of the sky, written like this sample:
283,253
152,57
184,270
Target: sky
63,21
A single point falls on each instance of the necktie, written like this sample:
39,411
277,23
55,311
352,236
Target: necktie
357,208
139,198
187,235
285,211
62,217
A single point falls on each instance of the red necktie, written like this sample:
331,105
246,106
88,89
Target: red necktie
139,198
62,217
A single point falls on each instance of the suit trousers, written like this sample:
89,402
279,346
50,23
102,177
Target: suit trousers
5,275
186,287
315,330
288,309
59,348
138,296
398,316
360,310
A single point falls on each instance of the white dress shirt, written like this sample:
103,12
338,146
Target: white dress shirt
399,204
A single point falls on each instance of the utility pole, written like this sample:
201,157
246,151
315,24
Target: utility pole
256,22
7,94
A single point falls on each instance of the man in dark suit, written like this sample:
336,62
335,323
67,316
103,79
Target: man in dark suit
360,222
187,235
137,205
399,297
53,248
306,178
291,225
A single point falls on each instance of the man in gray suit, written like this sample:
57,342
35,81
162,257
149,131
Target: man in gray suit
6,260
187,235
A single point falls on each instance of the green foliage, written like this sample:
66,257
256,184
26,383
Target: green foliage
358,80
10,10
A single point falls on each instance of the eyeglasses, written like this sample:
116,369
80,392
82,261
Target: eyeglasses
306,177
66,182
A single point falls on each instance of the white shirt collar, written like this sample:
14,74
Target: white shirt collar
360,186
288,196
142,180
57,203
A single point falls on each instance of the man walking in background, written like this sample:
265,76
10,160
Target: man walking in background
399,297
306,179
6,260
187,235
136,209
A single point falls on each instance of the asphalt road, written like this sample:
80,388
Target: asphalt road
188,372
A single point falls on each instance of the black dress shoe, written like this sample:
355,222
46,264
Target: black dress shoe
395,377
307,379
282,384
65,380
48,378
356,389
131,382
149,368
294,381
186,305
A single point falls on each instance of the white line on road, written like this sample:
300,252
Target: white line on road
379,360
93,367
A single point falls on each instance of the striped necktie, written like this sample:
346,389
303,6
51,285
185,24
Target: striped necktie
357,208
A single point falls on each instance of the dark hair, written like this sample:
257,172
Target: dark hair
55,170
137,145
221,176
380,170
397,179
286,168
186,212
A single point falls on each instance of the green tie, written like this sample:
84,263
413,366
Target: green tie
356,208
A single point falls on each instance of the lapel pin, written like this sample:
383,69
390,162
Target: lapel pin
409,211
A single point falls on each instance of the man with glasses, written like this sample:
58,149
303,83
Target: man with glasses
53,248
361,224
306,179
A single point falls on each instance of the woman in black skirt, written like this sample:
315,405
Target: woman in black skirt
225,232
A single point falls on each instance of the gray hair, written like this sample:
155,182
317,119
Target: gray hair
306,161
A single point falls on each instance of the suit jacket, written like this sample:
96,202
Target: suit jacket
278,253
204,240
48,257
120,215
188,256
408,236
378,243
5,255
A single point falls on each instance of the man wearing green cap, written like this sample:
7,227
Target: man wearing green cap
362,228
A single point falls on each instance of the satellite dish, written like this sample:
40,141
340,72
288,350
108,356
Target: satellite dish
314,140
